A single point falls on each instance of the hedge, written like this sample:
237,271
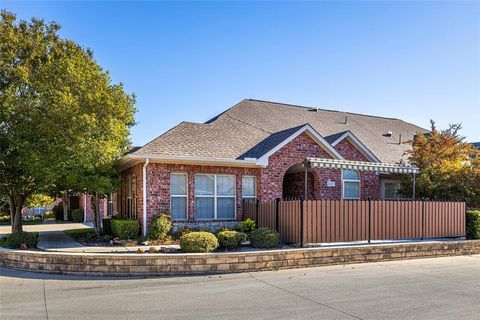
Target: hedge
125,229
77,215
473,224
198,242
230,239
264,238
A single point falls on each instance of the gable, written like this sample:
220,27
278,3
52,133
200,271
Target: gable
305,141
350,147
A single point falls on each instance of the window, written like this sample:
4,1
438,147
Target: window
214,197
249,188
351,184
390,190
129,198
178,196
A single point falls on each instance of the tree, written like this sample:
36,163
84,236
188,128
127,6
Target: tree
449,167
60,115
39,200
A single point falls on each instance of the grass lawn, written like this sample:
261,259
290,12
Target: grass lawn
79,233
30,238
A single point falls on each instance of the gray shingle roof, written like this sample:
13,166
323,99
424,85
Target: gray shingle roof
252,127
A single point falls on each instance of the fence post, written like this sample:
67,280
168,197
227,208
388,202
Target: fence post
423,219
301,223
256,213
277,214
369,219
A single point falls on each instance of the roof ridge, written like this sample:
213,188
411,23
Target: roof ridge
323,109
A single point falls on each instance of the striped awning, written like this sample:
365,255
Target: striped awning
359,165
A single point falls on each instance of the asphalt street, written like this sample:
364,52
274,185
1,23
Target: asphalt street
437,288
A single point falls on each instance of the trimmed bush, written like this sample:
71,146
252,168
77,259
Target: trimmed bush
230,239
246,226
473,224
32,220
198,242
58,211
264,238
48,215
77,215
160,227
16,239
125,229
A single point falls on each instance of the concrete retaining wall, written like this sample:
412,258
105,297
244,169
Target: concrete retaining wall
181,264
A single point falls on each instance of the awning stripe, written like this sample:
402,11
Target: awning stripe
359,165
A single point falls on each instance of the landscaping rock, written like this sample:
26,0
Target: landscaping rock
119,242
169,249
23,246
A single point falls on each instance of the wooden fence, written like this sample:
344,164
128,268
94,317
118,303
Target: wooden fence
323,221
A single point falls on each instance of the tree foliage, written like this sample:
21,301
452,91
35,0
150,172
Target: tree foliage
39,200
60,115
449,167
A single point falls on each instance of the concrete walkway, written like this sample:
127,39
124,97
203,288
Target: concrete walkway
57,240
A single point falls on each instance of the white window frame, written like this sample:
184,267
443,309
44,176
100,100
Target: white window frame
255,188
215,196
179,196
351,180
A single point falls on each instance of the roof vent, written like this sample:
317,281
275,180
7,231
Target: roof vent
388,134
313,109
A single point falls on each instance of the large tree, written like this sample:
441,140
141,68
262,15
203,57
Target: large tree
60,114
449,167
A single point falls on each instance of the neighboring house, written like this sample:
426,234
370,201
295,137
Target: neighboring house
476,145
201,172
76,201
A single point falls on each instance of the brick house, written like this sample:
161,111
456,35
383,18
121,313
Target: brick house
201,172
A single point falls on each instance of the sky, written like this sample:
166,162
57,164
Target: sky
189,61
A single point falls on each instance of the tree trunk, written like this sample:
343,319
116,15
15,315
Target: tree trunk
96,213
16,205
65,204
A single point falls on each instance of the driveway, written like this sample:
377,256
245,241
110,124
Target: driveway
46,227
438,288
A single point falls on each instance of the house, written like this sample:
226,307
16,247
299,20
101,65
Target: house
201,172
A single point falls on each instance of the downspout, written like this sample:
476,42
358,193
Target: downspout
84,207
144,189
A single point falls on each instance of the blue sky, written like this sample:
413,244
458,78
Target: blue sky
190,61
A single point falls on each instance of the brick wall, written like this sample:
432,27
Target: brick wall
294,152
270,180
158,185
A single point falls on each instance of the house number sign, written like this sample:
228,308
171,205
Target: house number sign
330,183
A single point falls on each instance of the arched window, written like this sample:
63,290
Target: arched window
351,184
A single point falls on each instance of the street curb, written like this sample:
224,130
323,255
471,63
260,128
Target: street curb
229,262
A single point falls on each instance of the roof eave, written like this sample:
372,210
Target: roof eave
132,159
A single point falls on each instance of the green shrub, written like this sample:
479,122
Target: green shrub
4,220
181,232
264,238
198,242
32,220
77,215
16,239
48,215
125,229
230,239
473,224
58,211
246,226
160,227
